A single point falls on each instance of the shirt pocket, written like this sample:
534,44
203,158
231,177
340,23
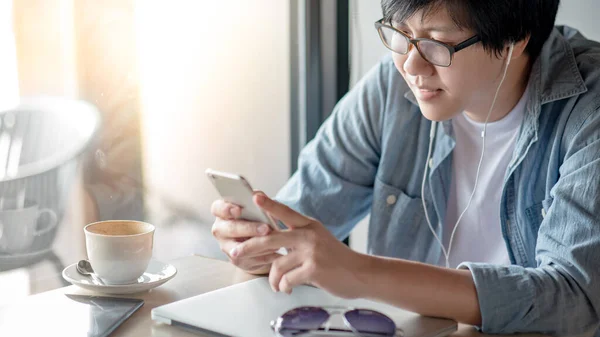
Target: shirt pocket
546,207
535,215
397,223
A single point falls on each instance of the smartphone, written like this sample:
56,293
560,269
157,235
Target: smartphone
79,315
235,189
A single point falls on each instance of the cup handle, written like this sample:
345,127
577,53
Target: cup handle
53,221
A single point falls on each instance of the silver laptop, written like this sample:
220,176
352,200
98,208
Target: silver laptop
247,309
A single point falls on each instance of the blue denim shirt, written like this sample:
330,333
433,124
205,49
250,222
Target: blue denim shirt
369,156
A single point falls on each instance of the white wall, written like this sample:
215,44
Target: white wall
581,14
367,49
9,82
365,46
215,93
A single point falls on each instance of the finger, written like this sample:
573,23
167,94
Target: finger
225,210
294,278
263,270
282,212
228,229
262,260
282,267
247,262
259,245
241,239
274,220
226,247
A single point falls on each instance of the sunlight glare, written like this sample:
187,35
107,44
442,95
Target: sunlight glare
9,82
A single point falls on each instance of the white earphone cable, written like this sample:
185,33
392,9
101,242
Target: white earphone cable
431,137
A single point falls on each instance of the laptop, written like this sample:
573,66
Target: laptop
247,309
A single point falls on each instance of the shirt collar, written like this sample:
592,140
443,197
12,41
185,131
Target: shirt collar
555,72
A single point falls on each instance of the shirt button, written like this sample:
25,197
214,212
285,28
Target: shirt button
431,163
391,199
543,213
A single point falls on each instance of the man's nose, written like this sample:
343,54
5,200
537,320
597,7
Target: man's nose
416,65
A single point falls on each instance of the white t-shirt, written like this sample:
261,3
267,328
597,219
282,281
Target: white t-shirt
479,235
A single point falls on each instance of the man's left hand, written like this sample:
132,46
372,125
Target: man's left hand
314,256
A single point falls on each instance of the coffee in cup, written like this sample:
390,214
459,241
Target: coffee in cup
21,223
119,250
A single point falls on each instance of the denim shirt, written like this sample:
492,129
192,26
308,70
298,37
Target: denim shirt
369,157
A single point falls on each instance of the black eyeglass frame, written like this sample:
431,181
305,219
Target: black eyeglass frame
379,24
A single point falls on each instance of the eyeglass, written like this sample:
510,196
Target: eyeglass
434,52
361,322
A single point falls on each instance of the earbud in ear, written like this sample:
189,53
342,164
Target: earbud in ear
510,52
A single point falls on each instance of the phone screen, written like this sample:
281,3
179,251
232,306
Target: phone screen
70,315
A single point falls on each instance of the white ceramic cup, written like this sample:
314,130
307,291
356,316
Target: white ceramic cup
19,225
119,250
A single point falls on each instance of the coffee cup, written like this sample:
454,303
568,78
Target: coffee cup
119,250
19,224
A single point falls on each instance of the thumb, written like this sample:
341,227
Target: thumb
280,211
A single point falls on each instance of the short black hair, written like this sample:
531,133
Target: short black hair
497,22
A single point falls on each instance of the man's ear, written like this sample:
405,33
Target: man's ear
519,47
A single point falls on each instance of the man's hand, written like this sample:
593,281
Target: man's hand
314,256
229,230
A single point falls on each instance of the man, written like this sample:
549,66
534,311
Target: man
510,178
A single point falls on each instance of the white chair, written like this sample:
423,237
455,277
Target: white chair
42,142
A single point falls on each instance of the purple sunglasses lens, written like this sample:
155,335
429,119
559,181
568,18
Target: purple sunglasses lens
370,321
303,318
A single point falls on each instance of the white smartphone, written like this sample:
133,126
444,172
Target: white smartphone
235,189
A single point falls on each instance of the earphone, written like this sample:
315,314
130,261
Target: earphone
432,134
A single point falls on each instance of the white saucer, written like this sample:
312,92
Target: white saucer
156,274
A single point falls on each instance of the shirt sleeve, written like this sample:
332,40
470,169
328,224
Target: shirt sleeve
336,170
562,295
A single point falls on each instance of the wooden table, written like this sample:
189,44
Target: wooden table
196,275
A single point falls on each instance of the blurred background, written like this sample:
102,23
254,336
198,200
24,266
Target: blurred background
113,109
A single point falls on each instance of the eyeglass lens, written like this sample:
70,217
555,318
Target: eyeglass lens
430,50
303,319
370,321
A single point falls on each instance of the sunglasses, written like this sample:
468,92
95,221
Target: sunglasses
360,322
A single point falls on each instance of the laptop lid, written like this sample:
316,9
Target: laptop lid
247,309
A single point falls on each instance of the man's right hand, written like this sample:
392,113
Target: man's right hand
229,230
